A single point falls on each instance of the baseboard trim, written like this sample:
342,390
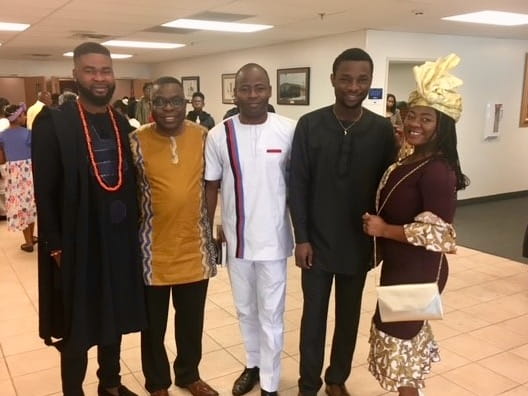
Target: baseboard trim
491,198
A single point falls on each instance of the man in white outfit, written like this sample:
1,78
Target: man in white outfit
249,154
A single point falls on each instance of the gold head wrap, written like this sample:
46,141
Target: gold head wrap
435,87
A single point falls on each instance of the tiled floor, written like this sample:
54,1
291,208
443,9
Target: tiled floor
483,339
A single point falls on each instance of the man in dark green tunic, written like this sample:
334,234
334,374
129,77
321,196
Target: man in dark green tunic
90,285
339,154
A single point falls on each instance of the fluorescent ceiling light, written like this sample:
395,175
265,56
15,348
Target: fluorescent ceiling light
13,27
112,55
491,18
142,44
217,26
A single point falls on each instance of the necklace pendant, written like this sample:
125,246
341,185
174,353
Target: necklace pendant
345,132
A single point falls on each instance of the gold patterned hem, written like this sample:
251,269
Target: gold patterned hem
395,362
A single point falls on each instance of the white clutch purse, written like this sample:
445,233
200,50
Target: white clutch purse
408,302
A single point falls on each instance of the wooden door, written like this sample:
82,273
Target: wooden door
32,86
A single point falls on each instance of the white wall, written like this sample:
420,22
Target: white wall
21,68
492,71
318,54
400,80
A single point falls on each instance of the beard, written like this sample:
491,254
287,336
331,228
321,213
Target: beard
96,100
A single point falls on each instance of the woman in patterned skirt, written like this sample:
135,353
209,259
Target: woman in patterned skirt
415,208
15,152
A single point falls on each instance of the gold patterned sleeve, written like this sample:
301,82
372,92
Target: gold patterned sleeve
431,232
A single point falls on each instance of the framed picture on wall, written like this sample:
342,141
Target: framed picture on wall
523,122
190,86
293,86
228,88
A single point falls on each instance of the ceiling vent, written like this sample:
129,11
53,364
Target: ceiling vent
84,35
168,30
219,16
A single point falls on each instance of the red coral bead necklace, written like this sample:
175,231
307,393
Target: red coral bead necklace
91,154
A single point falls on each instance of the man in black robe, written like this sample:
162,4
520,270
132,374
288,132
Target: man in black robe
90,285
339,154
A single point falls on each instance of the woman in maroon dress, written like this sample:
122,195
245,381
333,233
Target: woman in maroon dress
416,205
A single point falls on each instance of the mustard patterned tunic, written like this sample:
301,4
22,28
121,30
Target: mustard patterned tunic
175,238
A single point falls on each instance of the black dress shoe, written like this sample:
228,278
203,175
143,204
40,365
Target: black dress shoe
246,381
266,393
336,390
122,390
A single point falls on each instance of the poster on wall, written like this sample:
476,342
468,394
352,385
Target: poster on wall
293,86
228,88
190,86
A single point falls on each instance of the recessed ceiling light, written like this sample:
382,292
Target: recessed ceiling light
215,25
112,55
491,18
142,44
13,27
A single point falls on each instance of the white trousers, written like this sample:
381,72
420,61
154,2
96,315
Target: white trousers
259,289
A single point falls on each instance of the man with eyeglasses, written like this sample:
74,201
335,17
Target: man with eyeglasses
177,249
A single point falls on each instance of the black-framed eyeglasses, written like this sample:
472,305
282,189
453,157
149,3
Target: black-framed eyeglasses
162,102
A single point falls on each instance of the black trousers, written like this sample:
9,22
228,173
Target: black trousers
189,302
316,286
73,369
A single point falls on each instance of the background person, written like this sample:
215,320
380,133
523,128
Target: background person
4,124
393,114
67,96
122,109
15,153
417,201
143,107
198,114
43,99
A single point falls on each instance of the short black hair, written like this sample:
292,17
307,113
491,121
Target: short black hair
248,66
352,54
119,105
11,109
167,80
90,48
198,95
146,85
3,104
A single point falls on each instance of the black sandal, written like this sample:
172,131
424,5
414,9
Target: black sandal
26,247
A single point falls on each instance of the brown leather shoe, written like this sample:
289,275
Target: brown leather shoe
201,388
161,392
336,390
